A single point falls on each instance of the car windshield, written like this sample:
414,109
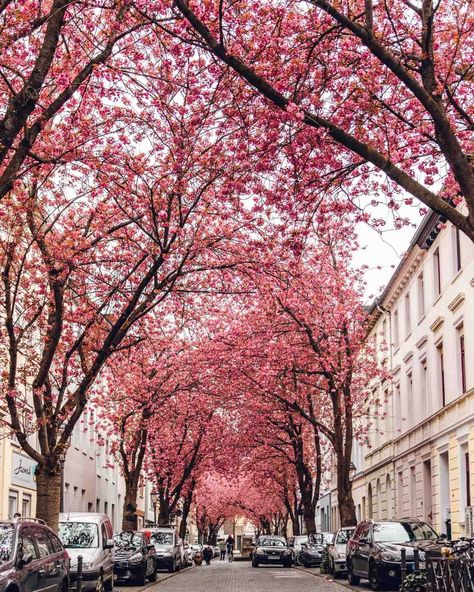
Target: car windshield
6,542
162,538
79,535
322,538
403,532
269,542
128,540
343,536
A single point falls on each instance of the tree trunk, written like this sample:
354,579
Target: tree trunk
129,519
309,520
346,504
164,513
48,496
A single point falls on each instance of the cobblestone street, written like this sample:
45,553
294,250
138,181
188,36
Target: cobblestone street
241,577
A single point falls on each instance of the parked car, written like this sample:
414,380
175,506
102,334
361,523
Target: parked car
196,548
134,557
311,554
90,535
270,550
337,551
294,544
321,538
167,546
215,551
374,550
187,554
32,558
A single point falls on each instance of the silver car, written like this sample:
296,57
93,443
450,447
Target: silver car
337,551
90,535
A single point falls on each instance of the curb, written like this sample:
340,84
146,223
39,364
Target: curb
326,578
163,579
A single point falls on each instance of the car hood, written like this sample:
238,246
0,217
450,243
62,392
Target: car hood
125,553
410,547
88,555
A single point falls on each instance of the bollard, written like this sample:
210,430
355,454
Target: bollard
79,574
403,566
416,554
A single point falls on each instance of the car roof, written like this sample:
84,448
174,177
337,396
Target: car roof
93,517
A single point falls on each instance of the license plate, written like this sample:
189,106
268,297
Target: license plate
274,557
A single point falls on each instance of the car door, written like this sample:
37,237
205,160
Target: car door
29,573
356,547
50,568
107,554
365,550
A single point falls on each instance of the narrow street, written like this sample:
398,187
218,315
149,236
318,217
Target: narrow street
240,577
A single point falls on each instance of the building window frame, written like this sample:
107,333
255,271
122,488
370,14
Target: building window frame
437,272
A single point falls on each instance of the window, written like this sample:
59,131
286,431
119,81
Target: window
26,505
462,359
424,388
441,378
97,505
457,250
468,478
384,331
421,295
437,272
413,490
396,333
12,503
397,409
407,314
27,544
45,547
410,396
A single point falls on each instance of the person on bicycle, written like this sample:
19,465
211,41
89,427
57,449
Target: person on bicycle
230,546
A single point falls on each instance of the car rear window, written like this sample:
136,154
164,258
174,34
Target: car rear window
269,542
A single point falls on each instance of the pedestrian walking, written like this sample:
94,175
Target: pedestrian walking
230,547
207,554
222,549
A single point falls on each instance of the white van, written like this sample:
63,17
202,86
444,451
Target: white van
92,536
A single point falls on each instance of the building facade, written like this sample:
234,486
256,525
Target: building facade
420,457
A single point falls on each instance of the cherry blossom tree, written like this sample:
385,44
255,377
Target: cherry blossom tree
83,265
377,93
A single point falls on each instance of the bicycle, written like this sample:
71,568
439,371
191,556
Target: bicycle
230,554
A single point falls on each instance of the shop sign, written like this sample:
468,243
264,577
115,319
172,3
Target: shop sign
23,471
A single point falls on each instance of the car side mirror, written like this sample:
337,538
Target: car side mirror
364,541
24,560
109,544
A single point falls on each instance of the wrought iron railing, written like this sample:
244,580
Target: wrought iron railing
446,574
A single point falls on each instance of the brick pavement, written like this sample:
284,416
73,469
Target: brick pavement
240,576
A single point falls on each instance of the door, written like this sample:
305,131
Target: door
29,573
359,548
108,561
50,564
365,550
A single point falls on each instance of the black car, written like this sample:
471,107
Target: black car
32,558
374,550
134,557
271,550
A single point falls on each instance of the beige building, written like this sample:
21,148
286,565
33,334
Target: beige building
17,483
420,461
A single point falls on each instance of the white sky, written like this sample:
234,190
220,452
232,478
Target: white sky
382,254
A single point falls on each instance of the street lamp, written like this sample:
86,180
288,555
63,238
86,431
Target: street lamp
352,471
154,501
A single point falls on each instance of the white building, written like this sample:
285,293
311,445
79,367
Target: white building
421,457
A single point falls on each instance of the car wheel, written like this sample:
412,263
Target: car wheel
299,559
353,579
153,576
375,579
